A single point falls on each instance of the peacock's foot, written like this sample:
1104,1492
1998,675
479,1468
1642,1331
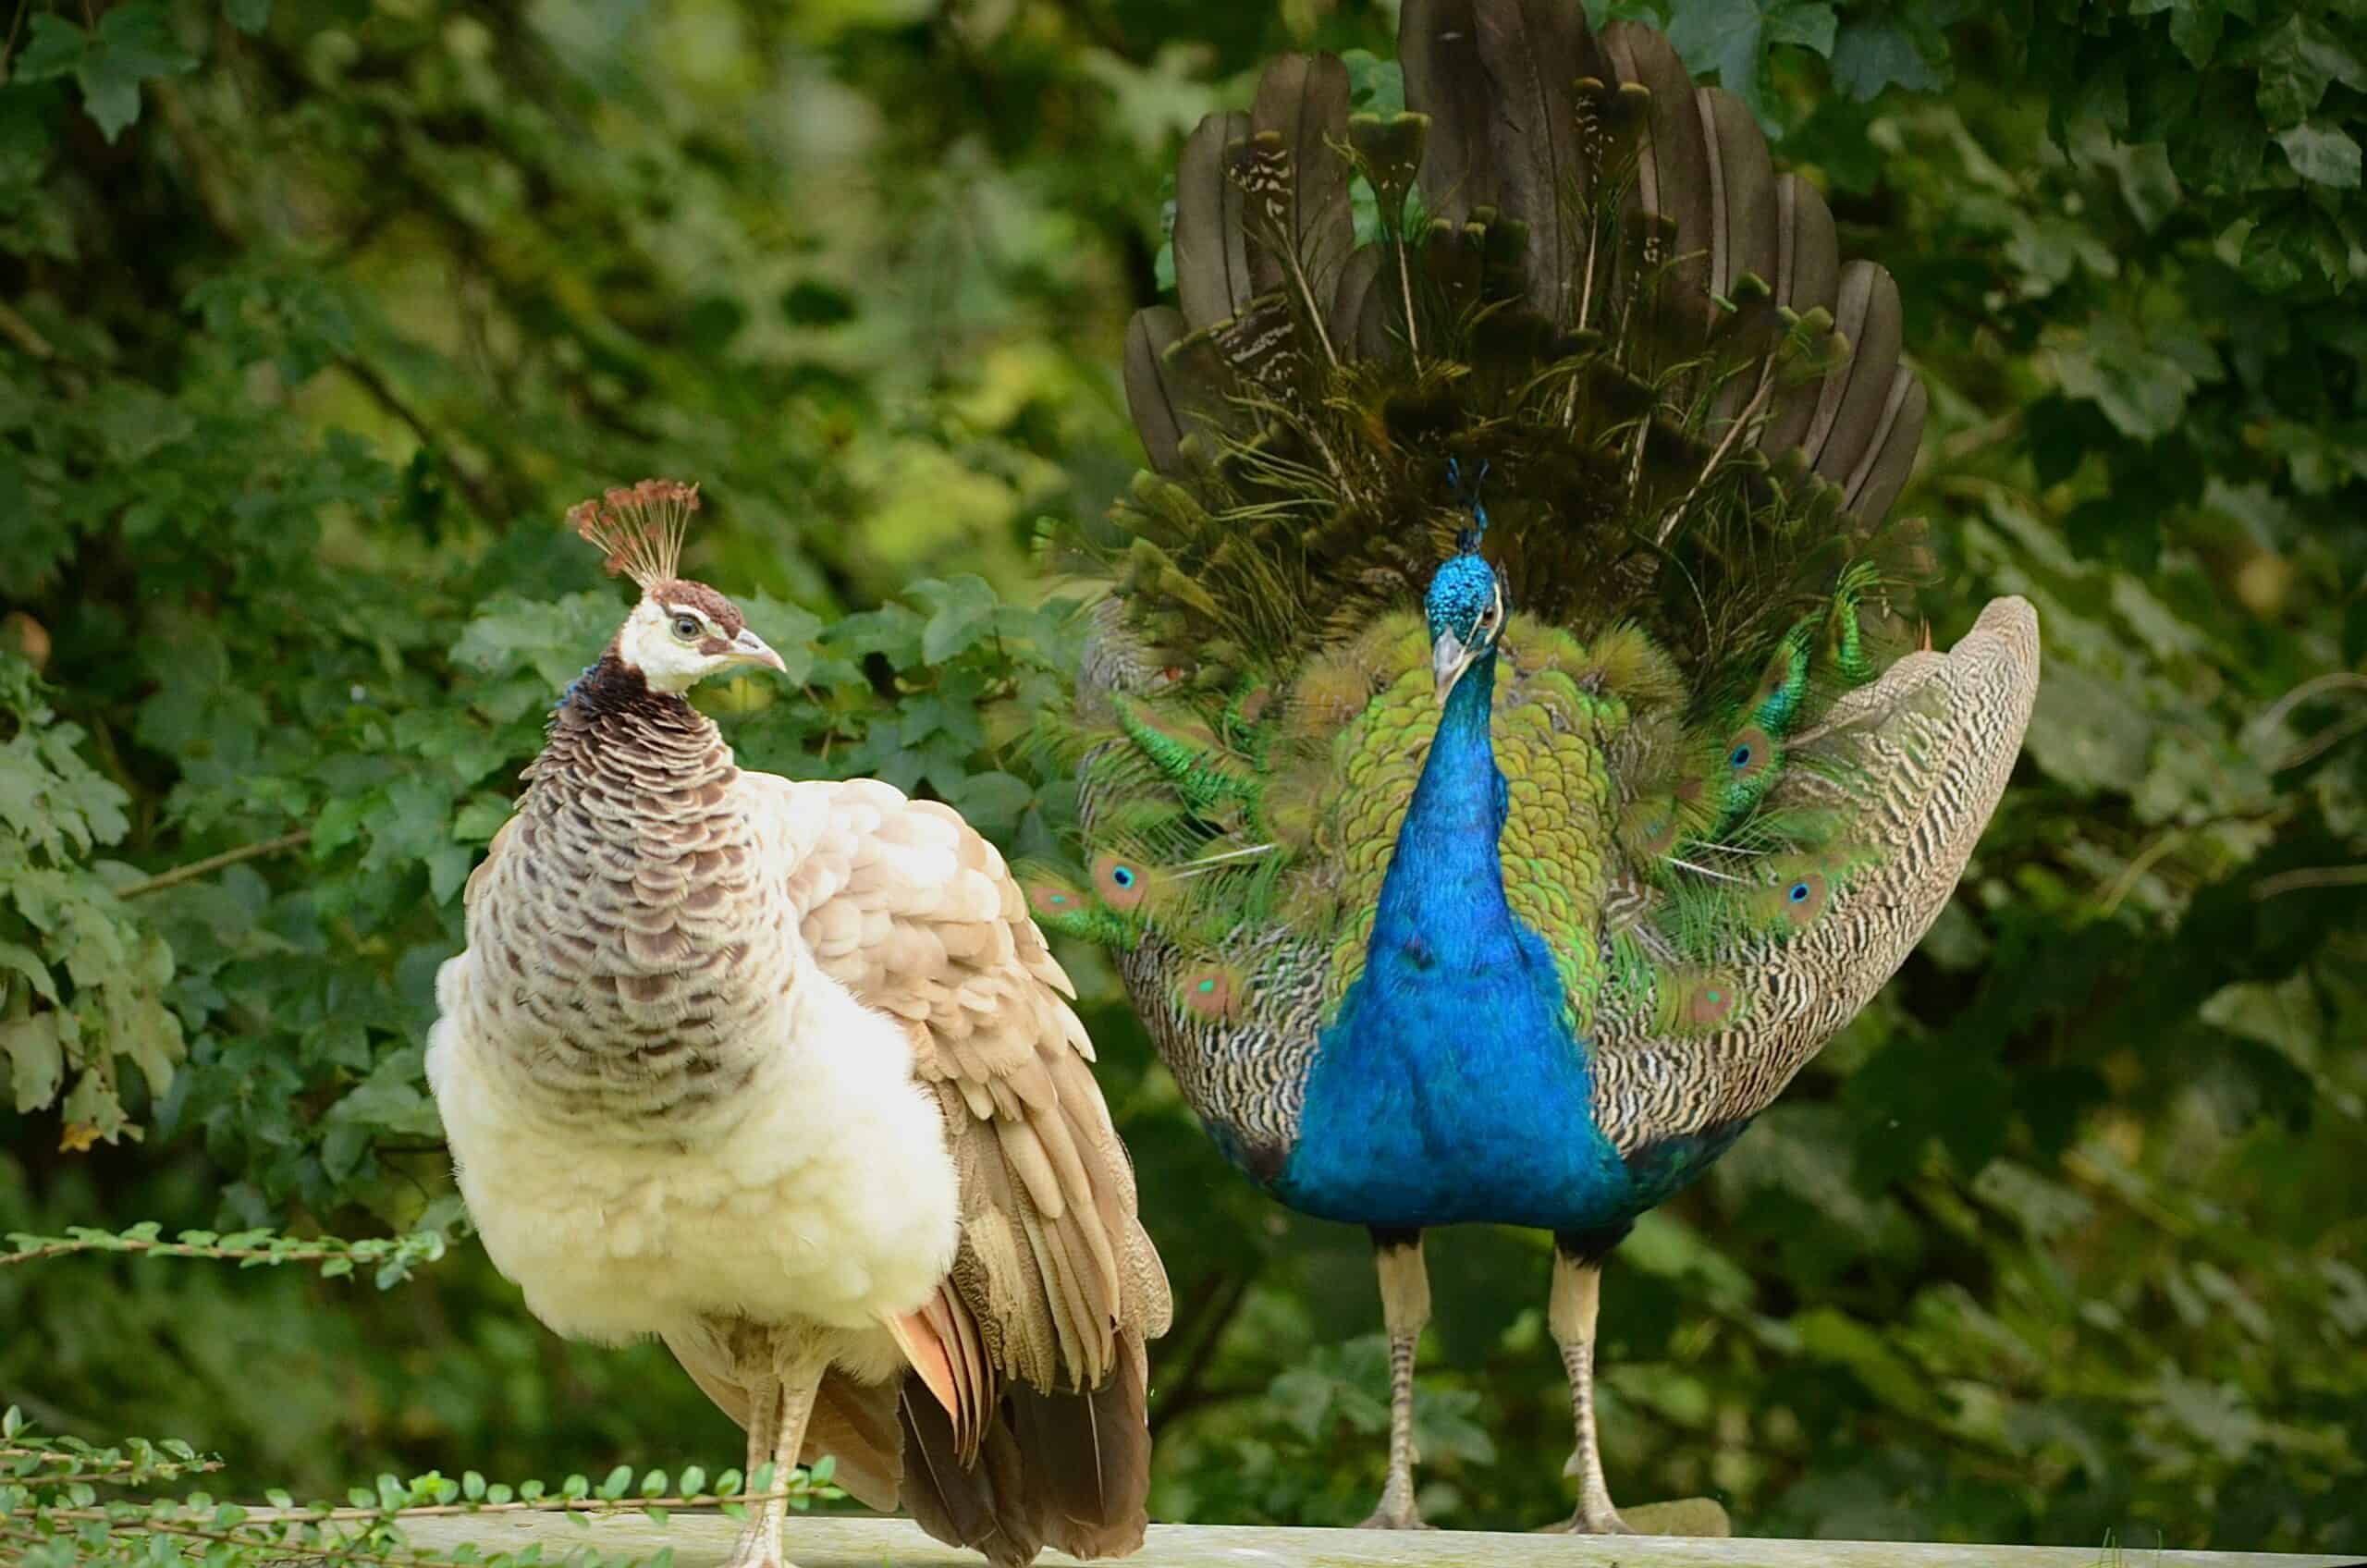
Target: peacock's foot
1403,1517
1599,1520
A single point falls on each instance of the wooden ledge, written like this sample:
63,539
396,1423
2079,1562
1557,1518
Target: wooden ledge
704,1540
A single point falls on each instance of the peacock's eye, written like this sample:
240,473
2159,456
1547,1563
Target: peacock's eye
686,628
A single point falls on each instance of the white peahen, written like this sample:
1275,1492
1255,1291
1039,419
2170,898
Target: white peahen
782,1072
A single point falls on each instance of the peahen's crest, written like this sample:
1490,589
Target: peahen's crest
640,528
1583,288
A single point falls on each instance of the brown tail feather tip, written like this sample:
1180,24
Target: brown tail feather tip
1065,1470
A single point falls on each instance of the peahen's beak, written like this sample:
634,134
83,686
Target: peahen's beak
1449,659
749,648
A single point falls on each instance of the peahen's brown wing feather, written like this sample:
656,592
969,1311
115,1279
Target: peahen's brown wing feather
1056,1287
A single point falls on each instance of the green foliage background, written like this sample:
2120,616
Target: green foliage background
314,315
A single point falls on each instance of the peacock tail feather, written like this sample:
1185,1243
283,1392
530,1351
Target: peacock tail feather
1589,317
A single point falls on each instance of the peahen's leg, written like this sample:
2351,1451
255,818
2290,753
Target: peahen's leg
1404,1308
777,1417
1570,1314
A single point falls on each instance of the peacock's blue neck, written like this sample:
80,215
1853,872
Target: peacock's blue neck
1444,892
1451,1086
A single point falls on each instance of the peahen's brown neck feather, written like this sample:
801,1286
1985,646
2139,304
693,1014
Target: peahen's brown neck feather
636,891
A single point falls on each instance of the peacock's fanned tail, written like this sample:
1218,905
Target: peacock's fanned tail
1583,301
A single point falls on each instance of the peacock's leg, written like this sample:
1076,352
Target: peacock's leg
1404,1308
777,1417
1570,1314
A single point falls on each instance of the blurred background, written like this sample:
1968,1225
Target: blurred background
314,315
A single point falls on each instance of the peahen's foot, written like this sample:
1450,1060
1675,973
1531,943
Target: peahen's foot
759,1547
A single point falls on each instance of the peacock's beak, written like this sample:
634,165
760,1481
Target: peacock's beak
1449,659
749,648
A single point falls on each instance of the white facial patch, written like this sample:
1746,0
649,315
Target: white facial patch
667,660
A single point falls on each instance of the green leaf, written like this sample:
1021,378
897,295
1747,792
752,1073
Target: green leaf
1870,55
1811,24
2141,388
250,17
2195,28
992,801
1825,1333
28,963
959,610
2298,59
132,44
1724,36
2321,154
1376,84
36,1059
54,47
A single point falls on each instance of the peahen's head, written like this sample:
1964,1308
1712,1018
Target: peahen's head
1465,607
682,631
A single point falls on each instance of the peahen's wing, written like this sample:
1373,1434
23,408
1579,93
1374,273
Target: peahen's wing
1040,1327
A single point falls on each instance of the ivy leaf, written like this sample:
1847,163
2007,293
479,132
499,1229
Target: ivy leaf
2297,60
991,801
1869,55
1811,24
554,640
53,46
1724,36
2321,154
2141,387
961,611
2195,26
133,44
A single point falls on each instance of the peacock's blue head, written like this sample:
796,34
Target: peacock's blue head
1465,607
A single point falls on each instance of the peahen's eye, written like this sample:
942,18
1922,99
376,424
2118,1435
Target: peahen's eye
686,628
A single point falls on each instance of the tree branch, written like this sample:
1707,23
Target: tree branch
198,868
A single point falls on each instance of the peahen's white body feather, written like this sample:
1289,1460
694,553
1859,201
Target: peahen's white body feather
822,1194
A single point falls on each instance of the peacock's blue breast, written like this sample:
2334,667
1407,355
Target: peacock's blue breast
1449,1089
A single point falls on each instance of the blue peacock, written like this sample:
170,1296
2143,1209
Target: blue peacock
1503,760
